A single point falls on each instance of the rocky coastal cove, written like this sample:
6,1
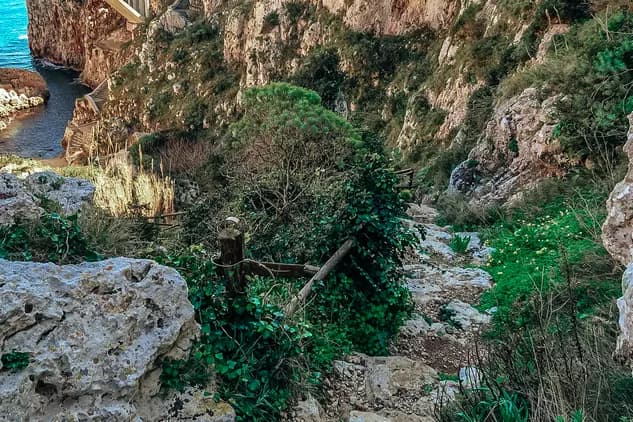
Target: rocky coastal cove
319,211
20,91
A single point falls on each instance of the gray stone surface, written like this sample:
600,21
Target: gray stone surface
96,334
15,203
69,192
617,236
624,348
466,315
308,410
21,200
388,376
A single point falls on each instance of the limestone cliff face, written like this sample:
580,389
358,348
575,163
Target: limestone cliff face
516,151
395,17
84,35
617,236
407,63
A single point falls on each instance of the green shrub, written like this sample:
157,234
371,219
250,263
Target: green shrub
258,355
51,238
296,10
485,406
15,361
460,244
271,20
321,72
305,180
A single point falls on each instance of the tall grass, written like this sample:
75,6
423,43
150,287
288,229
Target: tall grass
122,190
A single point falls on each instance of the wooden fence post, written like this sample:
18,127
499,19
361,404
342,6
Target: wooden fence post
232,254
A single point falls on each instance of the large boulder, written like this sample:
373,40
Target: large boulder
617,231
94,336
21,200
617,236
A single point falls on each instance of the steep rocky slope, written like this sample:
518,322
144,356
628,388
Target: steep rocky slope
87,36
423,74
426,75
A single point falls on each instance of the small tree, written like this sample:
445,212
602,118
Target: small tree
289,160
309,180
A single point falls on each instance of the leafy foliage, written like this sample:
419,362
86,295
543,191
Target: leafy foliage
306,180
15,361
460,244
548,352
505,407
52,238
321,72
529,255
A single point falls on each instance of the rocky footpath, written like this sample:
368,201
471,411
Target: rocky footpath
617,236
20,90
23,199
434,357
86,342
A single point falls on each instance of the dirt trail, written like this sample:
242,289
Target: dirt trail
430,357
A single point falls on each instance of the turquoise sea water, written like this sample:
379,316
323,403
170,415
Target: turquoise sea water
37,134
14,44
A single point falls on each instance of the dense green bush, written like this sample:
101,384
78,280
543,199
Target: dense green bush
304,180
259,356
52,238
344,189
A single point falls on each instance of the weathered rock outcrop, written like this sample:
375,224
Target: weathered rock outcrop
20,200
518,149
617,231
95,335
87,36
394,17
624,347
20,90
617,236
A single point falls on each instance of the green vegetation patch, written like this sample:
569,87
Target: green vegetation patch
15,361
534,253
305,180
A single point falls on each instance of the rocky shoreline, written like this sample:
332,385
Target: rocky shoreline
20,90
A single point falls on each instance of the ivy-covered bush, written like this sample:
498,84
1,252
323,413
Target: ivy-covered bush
304,180
52,238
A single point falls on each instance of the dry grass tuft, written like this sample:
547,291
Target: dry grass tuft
123,190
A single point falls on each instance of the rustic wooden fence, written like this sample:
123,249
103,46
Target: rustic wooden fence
237,267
